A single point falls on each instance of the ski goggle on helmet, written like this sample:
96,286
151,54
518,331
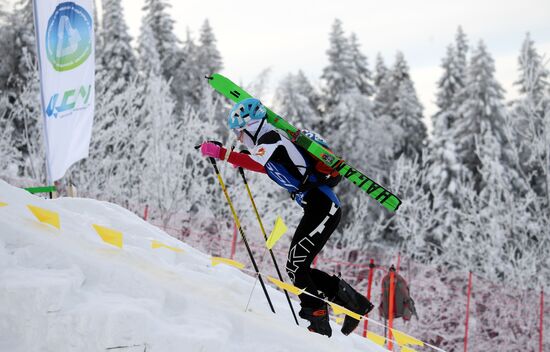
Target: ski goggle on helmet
244,112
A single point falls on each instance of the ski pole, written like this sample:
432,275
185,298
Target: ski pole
241,171
236,218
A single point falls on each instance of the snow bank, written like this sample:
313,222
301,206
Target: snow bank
67,290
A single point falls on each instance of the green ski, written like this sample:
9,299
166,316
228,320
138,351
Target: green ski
235,93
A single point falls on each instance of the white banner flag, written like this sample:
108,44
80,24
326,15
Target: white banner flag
65,41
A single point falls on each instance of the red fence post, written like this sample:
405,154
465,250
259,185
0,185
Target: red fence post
541,319
468,312
234,241
146,212
315,261
391,306
369,287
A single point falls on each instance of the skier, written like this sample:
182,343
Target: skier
294,170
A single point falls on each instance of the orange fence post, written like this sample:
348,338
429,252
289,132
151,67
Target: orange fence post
369,288
468,312
391,306
146,212
234,242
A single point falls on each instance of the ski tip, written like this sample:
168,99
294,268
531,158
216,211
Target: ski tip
208,77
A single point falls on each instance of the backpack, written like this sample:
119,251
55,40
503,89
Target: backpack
404,305
324,173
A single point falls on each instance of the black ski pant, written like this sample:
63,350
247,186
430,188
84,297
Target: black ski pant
321,216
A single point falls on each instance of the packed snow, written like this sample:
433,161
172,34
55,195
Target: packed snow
67,290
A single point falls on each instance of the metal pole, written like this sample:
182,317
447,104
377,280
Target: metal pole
220,180
468,311
241,171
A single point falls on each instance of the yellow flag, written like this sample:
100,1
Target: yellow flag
278,230
3,204
403,339
288,287
220,260
377,339
45,216
109,235
341,310
156,244
407,349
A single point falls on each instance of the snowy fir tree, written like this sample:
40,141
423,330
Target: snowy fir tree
380,72
361,67
405,110
157,15
19,79
442,146
482,114
209,56
191,73
384,93
117,56
529,119
296,99
340,75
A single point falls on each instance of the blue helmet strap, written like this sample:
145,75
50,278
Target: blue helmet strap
255,136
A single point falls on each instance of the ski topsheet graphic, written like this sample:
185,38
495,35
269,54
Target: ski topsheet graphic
232,91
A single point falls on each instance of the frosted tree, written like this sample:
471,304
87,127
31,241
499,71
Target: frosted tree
18,45
339,76
149,62
297,100
482,115
380,72
18,78
359,61
157,16
443,160
529,130
209,56
461,43
384,93
9,155
117,56
406,111
26,113
192,78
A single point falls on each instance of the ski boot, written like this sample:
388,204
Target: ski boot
348,298
318,317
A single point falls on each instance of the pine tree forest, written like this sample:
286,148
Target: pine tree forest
475,185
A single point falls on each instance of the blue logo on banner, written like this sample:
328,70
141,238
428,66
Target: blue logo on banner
69,36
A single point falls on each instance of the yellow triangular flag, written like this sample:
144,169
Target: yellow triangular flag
231,262
3,204
288,287
407,349
339,320
110,236
377,339
278,230
45,216
403,339
156,244
341,310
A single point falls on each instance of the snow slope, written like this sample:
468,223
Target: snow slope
67,290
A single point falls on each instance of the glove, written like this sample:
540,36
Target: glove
211,150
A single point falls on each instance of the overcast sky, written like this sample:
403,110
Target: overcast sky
288,35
